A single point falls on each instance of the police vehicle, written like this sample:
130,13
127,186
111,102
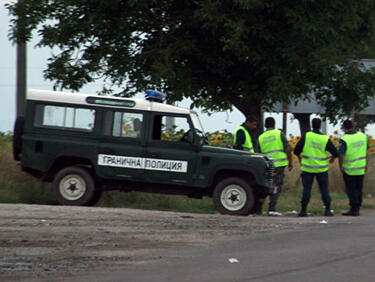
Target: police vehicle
88,144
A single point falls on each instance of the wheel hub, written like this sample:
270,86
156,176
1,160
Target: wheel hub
233,197
72,187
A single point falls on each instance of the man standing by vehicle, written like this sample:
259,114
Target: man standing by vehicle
314,163
242,137
243,141
273,143
353,161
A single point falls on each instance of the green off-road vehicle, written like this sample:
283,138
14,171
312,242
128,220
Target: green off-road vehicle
87,144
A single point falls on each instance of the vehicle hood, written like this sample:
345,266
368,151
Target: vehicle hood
221,150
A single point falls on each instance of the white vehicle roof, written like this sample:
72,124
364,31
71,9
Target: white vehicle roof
78,98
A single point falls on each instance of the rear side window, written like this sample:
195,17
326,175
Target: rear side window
127,124
81,119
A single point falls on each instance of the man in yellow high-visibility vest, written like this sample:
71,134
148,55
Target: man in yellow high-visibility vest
353,161
242,141
314,163
242,137
273,143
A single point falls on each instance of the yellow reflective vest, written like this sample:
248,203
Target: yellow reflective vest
314,155
248,145
270,143
355,155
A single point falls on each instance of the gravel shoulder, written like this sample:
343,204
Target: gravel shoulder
45,242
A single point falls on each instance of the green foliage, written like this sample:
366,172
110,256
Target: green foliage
217,138
6,137
249,54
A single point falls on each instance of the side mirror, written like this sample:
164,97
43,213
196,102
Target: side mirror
197,142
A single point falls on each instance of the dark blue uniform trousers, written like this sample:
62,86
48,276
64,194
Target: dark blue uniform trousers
307,181
354,186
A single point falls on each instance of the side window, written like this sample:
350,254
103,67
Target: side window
169,128
64,117
127,124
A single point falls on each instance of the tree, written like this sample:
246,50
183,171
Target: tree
244,53
304,122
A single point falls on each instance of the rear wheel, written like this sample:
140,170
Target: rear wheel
233,196
74,186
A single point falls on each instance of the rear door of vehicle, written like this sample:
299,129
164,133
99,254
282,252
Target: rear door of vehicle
122,147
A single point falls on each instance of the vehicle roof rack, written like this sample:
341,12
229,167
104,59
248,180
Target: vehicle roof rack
155,96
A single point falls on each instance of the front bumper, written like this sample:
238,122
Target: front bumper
270,176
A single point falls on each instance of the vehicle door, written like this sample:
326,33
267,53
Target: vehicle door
122,150
170,153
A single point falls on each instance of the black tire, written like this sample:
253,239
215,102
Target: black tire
233,196
96,198
17,138
74,186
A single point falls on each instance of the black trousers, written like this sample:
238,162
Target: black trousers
307,181
354,187
279,180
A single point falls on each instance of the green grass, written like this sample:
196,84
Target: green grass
290,201
290,197
18,187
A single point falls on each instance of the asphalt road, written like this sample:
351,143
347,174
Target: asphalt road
341,250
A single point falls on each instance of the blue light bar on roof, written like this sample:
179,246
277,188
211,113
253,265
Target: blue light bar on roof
153,95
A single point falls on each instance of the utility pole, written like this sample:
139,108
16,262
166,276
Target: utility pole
324,126
285,113
21,77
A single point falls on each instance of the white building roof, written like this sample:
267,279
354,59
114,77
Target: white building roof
78,98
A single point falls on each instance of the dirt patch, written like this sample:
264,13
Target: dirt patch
39,242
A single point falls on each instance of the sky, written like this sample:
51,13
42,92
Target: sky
37,62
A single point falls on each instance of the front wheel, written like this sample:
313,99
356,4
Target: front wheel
74,186
233,196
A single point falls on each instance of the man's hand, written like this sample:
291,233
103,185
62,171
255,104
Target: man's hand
299,159
331,160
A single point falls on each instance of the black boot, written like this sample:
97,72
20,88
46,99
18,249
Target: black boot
303,212
328,212
354,211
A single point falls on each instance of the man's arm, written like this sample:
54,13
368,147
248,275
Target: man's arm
240,140
290,160
332,149
341,161
368,154
288,151
299,147
342,151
